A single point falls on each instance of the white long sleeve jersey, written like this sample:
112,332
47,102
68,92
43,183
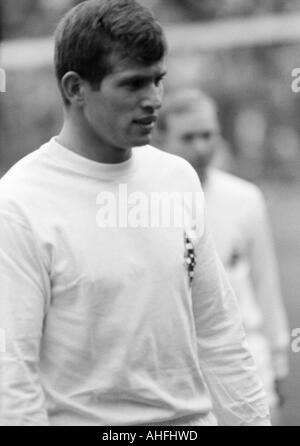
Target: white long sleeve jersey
110,317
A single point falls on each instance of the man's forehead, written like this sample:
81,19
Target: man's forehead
132,68
194,115
193,120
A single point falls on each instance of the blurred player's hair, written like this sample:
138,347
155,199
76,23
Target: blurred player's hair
91,32
180,102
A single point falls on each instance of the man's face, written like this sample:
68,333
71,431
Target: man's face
123,112
193,135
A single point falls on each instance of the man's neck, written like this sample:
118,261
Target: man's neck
203,175
75,137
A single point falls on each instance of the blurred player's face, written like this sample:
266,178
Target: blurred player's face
194,135
123,112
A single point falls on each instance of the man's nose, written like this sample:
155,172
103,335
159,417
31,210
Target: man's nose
153,98
200,145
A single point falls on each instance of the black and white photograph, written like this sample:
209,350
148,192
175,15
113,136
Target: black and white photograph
149,215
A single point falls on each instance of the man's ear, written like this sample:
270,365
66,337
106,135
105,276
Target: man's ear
72,88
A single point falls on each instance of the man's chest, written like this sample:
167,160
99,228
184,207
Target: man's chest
229,227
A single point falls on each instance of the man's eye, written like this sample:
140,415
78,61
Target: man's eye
135,85
142,83
188,138
206,135
158,81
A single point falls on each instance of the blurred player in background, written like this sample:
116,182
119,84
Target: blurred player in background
189,127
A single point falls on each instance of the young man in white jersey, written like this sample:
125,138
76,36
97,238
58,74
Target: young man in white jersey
189,127
111,316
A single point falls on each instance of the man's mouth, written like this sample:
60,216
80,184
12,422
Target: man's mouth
147,121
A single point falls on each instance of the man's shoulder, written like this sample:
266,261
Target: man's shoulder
167,162
235,187
19,184
24,167
155,153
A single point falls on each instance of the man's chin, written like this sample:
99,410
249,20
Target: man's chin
202,165
142,140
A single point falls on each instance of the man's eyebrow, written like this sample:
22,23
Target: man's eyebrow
162,74
138,77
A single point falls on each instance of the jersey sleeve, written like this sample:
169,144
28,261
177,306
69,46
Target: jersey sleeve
230,374
24,296
265,279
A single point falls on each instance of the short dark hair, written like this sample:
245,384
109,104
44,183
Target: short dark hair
90,32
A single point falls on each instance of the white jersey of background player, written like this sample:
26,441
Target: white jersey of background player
189,127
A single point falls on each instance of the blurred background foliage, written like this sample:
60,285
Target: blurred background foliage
258,110
41,15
